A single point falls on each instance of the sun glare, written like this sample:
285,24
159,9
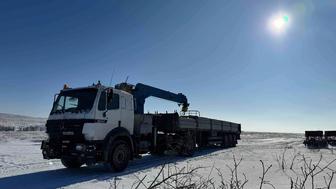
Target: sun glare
279,23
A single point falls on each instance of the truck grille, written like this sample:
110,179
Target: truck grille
65,134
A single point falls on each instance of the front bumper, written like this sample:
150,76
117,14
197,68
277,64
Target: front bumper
88,152
65,139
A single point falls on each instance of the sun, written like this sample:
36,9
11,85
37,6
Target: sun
279,23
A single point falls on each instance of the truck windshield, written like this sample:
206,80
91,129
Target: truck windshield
74,101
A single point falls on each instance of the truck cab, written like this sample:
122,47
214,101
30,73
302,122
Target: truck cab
83,120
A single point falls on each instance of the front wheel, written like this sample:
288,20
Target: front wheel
119,156
71,163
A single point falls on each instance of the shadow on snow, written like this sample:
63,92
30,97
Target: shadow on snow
64,177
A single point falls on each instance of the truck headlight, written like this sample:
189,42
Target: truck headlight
80,147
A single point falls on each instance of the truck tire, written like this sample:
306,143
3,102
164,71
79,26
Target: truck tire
234,137
188,146
161,146
225,141
159,151
119,156
231,141
71,163
191,150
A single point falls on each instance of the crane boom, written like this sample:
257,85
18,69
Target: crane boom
141,92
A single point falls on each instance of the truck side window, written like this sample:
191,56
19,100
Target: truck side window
114,103
102,101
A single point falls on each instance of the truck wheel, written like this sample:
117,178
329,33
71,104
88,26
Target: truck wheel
190,150
71,163
231,141
119,156
188,147
161,147
234,144
159,151
225,141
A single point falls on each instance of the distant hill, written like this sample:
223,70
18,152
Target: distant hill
10,122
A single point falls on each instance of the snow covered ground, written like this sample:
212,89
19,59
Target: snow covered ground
22,165
19,122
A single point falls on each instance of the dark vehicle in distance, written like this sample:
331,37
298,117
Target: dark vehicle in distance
330,137
315,139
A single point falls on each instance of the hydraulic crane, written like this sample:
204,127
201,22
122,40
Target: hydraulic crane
141,91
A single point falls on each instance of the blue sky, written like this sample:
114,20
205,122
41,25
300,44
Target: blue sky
220,53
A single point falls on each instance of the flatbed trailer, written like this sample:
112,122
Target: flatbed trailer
171,131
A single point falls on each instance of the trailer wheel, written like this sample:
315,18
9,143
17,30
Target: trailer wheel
159,151
234,137
119,156
188,147
232,142
71,163
225,141
161,146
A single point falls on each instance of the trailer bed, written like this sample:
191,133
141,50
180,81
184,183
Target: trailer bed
175,122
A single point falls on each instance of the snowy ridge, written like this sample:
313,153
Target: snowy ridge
19,122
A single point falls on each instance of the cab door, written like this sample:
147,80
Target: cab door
113,111
108,114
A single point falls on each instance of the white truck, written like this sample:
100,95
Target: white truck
100,124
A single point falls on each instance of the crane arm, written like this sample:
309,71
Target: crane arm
141,92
